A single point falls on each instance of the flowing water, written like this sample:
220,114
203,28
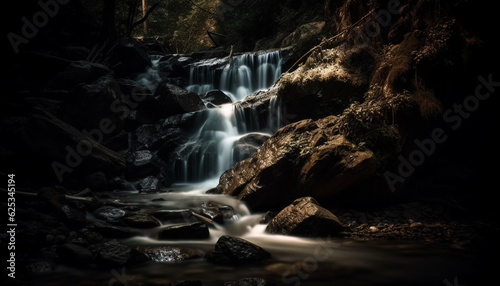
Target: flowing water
213,147
295,261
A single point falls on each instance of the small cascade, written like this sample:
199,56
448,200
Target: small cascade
215,145
209,152
151,77
241,76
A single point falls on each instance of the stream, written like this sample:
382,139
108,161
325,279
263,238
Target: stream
295,261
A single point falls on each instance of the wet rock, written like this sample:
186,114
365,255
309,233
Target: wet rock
113,231
306,158
168,253
150,183
141,220
175,100
212,211
74,254
39,267
248,144
143,163
112,253
249,282
233,250
175,66
195,230
305,217
216,97
110,214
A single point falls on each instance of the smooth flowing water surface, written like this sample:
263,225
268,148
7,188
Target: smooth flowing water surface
209,152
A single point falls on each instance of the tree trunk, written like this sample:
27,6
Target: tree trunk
144,13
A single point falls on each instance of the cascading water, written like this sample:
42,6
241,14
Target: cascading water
240,77
151,77
212,148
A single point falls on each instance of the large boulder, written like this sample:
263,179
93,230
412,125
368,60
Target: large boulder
306,158
305,217
175,100
248,144
231,250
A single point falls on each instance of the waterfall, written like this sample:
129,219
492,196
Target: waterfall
243,75
151,77
214,147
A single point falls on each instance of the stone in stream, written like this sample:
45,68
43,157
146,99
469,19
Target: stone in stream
230,250
305,217
175,100
216,97
112,253
168,253
249,282
110,214
141,220
143,163
107,230
212,211
197,230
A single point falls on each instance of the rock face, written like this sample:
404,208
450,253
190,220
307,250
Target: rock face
306,158
305,217
232,250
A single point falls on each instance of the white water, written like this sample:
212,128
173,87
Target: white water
211,150
295,261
